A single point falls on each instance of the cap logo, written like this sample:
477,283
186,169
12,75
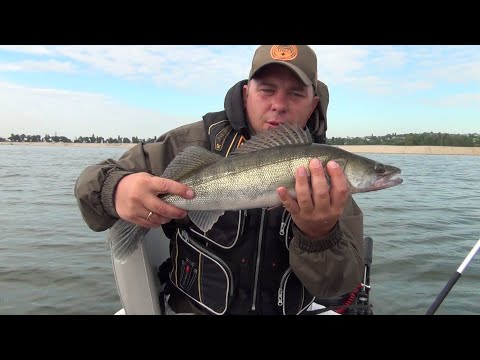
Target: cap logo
283,52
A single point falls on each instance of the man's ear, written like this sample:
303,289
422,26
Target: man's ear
245,94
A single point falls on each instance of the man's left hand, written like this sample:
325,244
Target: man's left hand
317,211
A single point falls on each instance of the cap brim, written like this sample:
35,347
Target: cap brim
292,67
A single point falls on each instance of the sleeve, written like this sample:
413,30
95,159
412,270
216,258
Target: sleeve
333,265
95,187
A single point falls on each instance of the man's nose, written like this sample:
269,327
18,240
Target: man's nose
279,101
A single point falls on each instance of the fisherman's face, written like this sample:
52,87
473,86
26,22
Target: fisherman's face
275,96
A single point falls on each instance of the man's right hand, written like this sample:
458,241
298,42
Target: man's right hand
136,196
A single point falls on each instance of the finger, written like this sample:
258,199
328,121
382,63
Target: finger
142,221
167,186
162,209
156,220
302,188
320,188
149,219
287,200
339,186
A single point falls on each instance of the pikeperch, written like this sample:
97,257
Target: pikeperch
249,178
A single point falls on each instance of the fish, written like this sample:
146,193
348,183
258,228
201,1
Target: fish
249,178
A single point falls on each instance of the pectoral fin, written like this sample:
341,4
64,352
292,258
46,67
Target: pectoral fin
205,219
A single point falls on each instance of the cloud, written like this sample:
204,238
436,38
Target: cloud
38,66
27,49
169,66
40,111
441,65
458,73
459,100
184,65
384,70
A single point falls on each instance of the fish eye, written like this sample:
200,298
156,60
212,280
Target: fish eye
379,168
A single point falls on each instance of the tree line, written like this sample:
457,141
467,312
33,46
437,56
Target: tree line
432,139
81,140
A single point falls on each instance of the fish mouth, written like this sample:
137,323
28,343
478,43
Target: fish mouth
387,181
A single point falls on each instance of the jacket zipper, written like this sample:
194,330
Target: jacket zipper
283,223
281,293
257,266
283,281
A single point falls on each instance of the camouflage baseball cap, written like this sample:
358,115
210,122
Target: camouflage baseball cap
299,58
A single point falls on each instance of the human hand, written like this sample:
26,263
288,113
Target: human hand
317,211
137,195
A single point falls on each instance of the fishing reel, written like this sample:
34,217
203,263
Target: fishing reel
364,306
356,302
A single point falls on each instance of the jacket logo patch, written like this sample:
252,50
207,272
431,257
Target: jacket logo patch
188,274
283,52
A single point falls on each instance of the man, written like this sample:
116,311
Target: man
260,261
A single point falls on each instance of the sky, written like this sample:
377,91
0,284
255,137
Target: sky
146,90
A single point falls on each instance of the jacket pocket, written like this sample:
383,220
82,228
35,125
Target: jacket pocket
293,298
225,233
202,276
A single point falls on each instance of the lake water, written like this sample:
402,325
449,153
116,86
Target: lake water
52,263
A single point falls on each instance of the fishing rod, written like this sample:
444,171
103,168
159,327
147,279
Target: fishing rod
453,279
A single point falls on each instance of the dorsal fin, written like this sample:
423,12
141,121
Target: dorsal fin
190,159
284,134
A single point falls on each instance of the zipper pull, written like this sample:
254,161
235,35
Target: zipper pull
280,297
283,223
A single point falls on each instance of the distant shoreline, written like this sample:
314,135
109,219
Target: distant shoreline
377,149
62,144
422,150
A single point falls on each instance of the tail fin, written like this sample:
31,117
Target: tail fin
124,238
